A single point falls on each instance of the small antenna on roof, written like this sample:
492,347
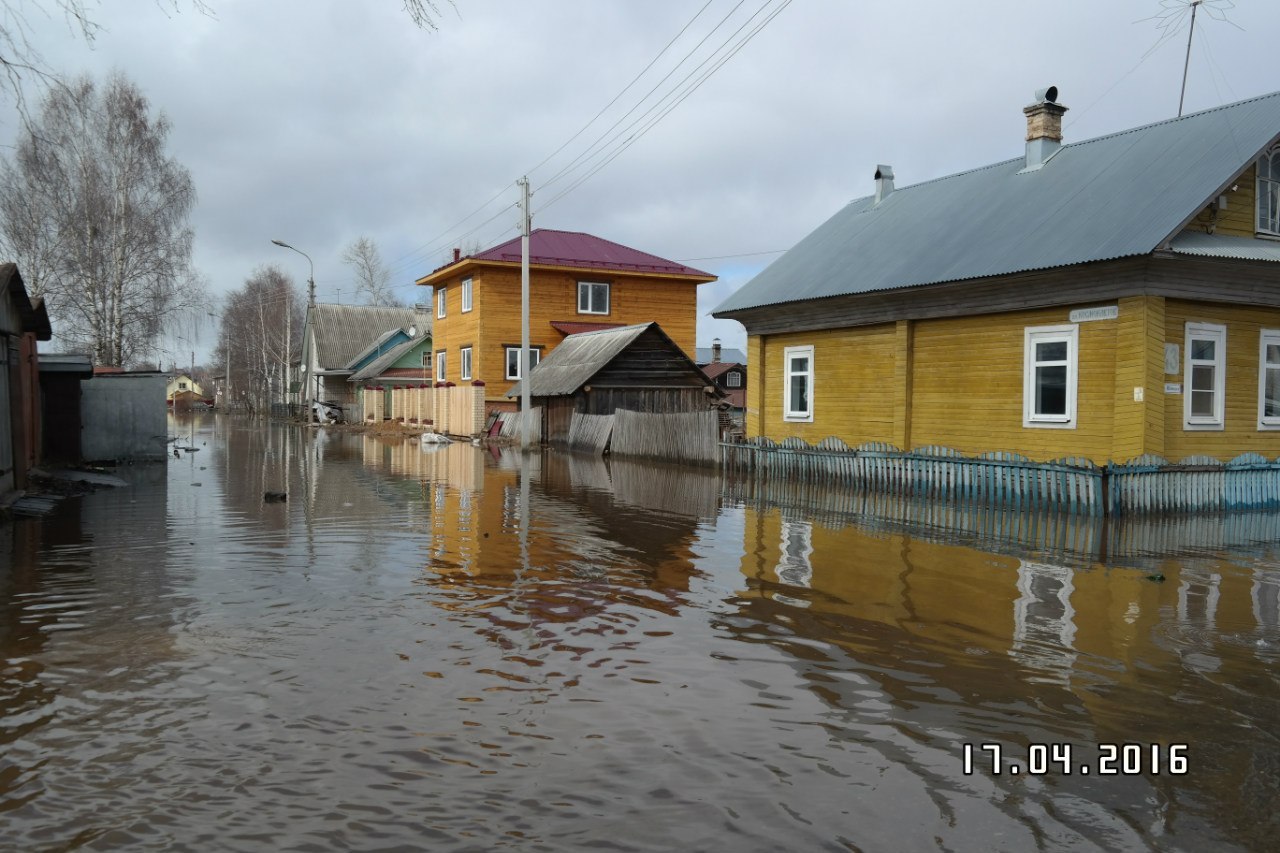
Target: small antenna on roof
1171,17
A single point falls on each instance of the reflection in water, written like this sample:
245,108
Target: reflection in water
450,647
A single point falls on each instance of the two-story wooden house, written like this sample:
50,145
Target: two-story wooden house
577,283
1105,299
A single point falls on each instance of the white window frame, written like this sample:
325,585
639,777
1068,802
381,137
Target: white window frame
591,308
1217,333
733,379
466,295
1268,193
1267,337
1032,335
464,362
535,356
442,364
787,355
440,303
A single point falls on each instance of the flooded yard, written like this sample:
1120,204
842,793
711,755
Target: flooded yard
452,648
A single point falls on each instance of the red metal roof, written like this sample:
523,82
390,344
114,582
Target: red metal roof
715,368
575,249
570,327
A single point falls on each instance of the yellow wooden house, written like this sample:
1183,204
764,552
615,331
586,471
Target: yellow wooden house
577,282
1105,300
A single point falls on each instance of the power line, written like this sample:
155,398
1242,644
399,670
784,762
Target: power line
726,257
681,98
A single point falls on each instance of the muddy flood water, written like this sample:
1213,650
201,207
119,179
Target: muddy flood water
449,649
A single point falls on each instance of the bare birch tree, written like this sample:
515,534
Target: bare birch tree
95,213
373,278
261,336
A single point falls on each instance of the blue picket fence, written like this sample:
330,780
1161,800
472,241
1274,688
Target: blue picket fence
1149,484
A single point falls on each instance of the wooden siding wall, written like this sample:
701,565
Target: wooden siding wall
853,389
967,387
1240,217
1240,433
494,321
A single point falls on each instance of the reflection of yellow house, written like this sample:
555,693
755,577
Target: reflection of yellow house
183,386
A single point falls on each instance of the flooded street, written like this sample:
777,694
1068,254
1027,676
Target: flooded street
427,648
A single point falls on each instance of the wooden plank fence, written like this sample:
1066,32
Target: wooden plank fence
1148,484
511,425
680,437
590,433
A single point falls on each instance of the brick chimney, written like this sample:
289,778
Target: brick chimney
457,254
715,351
1044,128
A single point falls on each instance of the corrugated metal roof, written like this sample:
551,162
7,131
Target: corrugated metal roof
388,358
576,249
704,355
344,331
374,347
575,360
1111,197
1221,246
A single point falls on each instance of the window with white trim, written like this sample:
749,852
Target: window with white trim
466,295
1269,379
464,362
1205,376
440,302
593,297
441,363
1269,192
797,384
733,379
513,360
1049,376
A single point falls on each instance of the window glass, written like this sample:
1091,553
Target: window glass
1049,376
733,380
1203,404
440,302
466,294
798,384
593,297
513,360
1268,186
1269,380
464,363
440,366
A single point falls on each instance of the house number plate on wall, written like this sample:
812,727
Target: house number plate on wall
1103,312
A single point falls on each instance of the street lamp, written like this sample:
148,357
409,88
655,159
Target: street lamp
311,278
311,302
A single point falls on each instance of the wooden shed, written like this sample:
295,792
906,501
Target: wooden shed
636,368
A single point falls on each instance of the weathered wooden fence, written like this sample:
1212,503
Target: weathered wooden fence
511,424
590,433
1198,483
1149,484
932,472
682,437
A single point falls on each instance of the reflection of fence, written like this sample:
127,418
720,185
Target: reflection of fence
1148,484
680,437
1073,537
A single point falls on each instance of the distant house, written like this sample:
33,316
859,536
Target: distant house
578,283
1103,299
182,391
638,368
23,322
394,359
714,353
336,337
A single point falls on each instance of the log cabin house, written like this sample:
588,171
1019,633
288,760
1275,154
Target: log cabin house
1108,300
577,282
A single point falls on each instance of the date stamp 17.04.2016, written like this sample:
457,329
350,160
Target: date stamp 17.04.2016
1103,759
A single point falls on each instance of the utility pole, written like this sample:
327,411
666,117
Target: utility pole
526,220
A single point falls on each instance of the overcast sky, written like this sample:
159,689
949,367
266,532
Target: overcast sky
317,121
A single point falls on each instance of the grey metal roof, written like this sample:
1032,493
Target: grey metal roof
1105,198
344,331
388,358
65,362
703,355
377,344
1222,246
576,359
